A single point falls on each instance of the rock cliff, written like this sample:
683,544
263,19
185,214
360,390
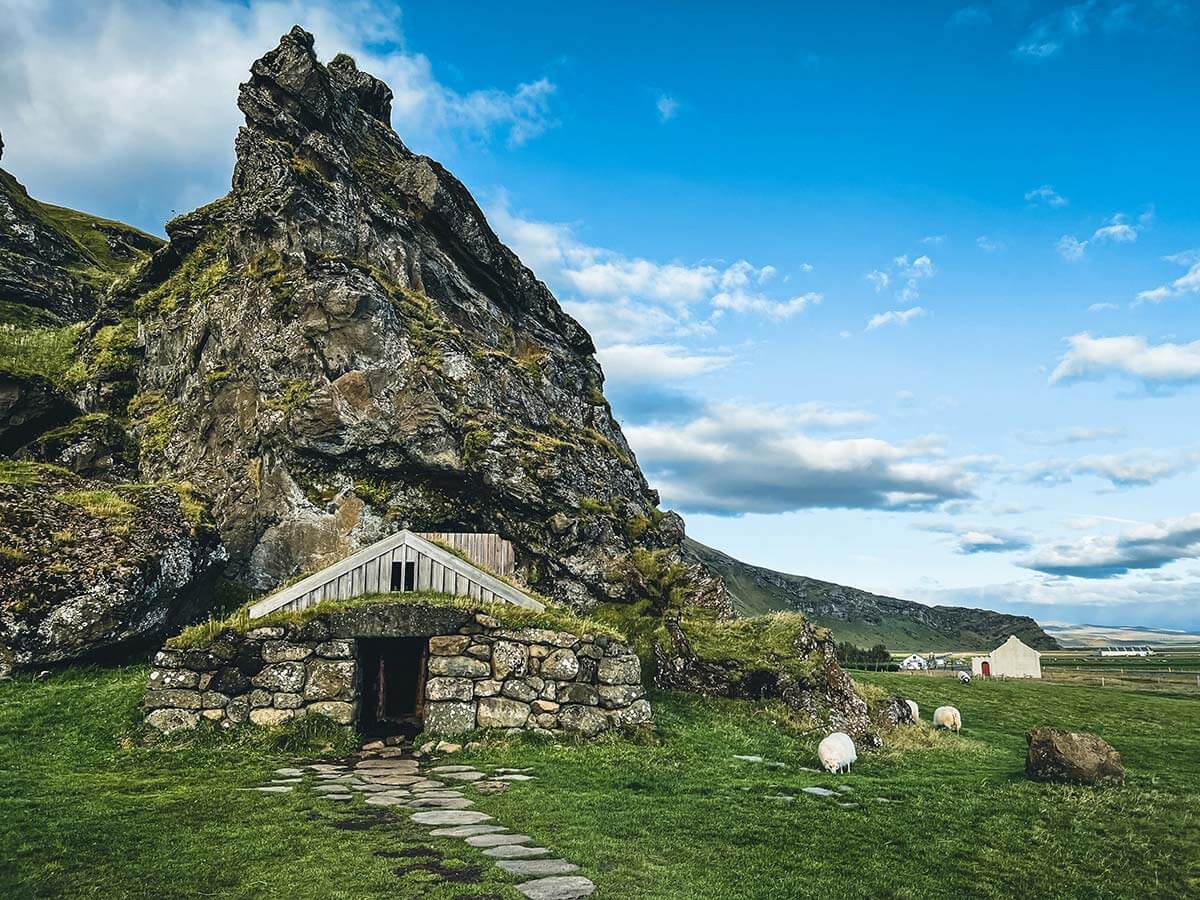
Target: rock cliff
342,346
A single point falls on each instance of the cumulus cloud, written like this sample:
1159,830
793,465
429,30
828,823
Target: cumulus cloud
1148,546
1102,307
1047,195
987,244
131,106
1135,468
1154,365
737,459
894,317
630,303
668,108
1116,230
1188,283
972,539
657,362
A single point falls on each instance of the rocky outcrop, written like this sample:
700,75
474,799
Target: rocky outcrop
342,347
57,259
808,678
867,618
29,405
1071,756
93,569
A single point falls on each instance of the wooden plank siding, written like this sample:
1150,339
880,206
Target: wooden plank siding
370,571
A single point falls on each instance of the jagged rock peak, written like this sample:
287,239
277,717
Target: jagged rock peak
290,90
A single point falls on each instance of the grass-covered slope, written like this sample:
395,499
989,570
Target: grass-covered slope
57,261
87,812
864,618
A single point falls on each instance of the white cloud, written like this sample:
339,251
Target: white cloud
1102,307
973,539
668,108
1134,468
1117,230
136,101
1046,194
627,300
1188,283
906,273
806,267
894,317
1145,546
1071,248
987,244
737,458
657,362
1129,355
934,240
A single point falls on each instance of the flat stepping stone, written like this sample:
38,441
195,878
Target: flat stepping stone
498,840
339,797
491,787
385,800
466,776
371,788
845,788
286,780
442,795
848,805
396,779
515,851
560,887
334,788
428,785
425,803
290,773
274,788
749,759
513,771
786,798
515,777
443,769
451,817
467,830
537,868
818,791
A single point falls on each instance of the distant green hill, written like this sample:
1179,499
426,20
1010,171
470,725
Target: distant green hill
863,618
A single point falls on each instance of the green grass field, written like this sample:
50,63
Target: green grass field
86,812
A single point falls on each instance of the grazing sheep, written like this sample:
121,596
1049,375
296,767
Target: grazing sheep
947,717
964,677
916,710
836,752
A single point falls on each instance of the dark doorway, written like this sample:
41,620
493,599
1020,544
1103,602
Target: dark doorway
404,576
393,685
987,670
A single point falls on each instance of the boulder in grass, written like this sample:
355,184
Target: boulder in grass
1058,755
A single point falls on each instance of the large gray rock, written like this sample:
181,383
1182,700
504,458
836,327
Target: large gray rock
500,712
451,717
1056,754
330,680
94,568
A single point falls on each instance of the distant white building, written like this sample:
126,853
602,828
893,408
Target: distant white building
1012,659
914,662
1123,650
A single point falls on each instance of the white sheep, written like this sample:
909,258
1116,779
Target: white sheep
837,752
947,717
916,710
964,677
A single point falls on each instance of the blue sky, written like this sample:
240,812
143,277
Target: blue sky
900,297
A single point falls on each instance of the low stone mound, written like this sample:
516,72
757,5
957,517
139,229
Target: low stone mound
1058,755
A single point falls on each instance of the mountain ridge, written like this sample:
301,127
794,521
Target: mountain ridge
862,617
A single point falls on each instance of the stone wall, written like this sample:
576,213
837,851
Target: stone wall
492,677
480,674
264,677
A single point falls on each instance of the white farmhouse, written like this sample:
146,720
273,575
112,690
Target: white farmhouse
1012,659
914,661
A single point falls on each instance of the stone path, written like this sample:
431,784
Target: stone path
391,777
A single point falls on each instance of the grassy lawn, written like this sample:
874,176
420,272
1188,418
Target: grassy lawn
84,814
